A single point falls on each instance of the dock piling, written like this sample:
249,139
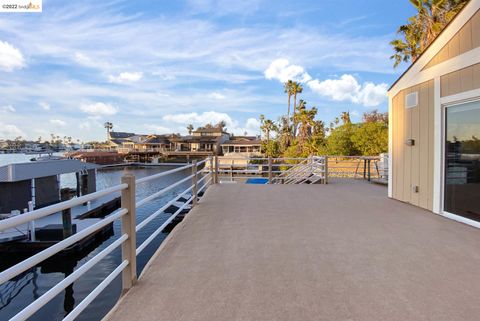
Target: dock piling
270,173
216,170
212,175
129,274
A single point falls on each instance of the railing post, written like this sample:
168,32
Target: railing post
212,175
194,183
270,173
325,169
129,247
216,169
31,224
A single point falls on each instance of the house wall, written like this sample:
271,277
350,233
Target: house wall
462,80
413,165
464,40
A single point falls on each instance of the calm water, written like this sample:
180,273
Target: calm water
17,294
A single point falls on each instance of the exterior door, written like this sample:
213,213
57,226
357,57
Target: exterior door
462,160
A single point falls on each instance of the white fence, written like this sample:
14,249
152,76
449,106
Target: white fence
127,241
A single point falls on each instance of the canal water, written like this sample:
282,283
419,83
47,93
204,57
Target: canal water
18,293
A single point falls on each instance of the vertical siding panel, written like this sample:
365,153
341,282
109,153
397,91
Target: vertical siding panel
466,38
431,122
443,54
454,83
415,150
466,79
424,145
454,46
476,76
444,85
400,144
394,151
407,155
476,30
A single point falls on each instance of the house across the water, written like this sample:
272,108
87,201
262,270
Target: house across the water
435,124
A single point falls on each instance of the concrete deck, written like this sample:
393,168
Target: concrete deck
309,252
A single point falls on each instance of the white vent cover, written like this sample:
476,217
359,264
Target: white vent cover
411,100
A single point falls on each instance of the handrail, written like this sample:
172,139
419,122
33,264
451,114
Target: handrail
45,211
126,240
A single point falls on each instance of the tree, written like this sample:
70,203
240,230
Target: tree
287,88
432,16
190,129
221,125
340,141
375,116
306,120
296,88
108,126
371,138
267,126
345,117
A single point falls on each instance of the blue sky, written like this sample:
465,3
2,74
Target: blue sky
155,66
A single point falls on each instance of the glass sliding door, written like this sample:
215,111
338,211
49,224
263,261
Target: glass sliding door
462,160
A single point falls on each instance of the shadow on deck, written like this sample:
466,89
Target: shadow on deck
342,251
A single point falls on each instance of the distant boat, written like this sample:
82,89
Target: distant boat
46,158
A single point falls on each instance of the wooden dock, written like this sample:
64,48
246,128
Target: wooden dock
342,251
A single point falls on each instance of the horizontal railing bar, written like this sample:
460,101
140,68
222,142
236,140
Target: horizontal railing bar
49,210
202,162
54,249
89,298
161,210
204,185
155,176
162,191
59,287
160,229
203,178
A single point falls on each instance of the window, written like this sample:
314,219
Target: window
462,160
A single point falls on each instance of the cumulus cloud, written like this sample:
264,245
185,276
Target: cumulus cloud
347,88
9,131
58,122
99,109
282,70
158,129
211,117
7,109
10,57
44,105
217,96
126,77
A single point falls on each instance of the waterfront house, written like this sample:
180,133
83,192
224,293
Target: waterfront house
242,145
434,112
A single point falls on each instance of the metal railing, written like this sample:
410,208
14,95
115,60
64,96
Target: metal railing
365,167
127,240
275,170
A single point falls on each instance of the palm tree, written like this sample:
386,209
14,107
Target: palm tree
306,119
287,87
267,126
108,126
432,16
190,129
296,88
345,117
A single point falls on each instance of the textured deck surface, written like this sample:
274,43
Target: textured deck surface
309,252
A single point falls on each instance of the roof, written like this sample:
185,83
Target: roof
210,130
194,139
243,140
26,171
120,135
157,140
429,46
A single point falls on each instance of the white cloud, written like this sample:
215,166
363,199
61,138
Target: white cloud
7,109
9,131
10,57
282,70
58,122
99,109
156,129
211,117
347,88
217,96
44,105
126,77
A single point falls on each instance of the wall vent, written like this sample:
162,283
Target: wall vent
411,100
